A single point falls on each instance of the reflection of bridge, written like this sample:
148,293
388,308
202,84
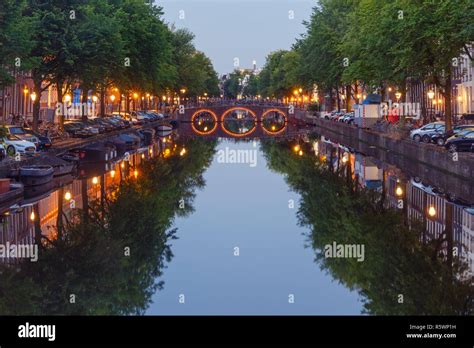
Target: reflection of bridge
239,120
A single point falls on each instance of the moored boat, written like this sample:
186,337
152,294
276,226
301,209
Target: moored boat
164,130
36,174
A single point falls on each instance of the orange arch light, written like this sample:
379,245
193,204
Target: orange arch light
281,113
243,134
214,116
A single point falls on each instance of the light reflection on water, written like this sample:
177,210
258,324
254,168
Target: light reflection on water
252,201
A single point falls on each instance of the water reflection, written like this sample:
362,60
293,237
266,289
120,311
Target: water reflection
103,240
239,122
104,237
273,121
204,122
406,228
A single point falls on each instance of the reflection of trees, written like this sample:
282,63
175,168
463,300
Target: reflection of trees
396,261
204,122
236,125
89,261
273,121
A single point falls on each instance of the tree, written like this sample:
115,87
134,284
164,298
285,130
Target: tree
334,210
233,85
13,40
195,71
430,39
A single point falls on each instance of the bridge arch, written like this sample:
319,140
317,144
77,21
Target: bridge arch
233,134
277,130
204,131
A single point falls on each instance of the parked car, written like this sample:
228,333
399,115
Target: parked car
103,124
462,142
78,130
124,123
347,118
14,144
44,141
440,138
140,116
22,134
424,133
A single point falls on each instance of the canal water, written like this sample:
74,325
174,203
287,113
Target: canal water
202,226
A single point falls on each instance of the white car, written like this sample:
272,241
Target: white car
424,133
14,144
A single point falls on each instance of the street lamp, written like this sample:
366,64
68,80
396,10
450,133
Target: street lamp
398,95
33,96
67,196
112,98
94,99
67,98
431,94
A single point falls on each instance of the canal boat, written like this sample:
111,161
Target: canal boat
164,130
100,152
32,175
126,142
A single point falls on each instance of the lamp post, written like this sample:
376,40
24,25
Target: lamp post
112,99
431,95
25,104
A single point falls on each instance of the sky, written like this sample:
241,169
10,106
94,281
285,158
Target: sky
233,32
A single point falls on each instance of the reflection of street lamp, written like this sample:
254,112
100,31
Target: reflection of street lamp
398,95
33,97
432,211
399,191
67,196
32,216
67,98
95,180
